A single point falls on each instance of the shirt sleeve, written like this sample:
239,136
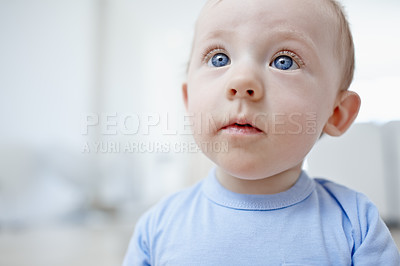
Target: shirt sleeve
138,250
375,245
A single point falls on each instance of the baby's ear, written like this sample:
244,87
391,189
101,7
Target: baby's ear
345,112
185,94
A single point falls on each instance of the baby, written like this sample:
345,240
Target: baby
267,77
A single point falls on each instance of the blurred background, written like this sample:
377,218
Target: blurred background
92,130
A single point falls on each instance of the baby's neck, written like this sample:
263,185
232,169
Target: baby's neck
269,185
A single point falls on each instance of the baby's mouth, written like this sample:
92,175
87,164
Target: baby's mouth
241,129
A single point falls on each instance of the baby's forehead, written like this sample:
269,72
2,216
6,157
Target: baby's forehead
317,15
323,7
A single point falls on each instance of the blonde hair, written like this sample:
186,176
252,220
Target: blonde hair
345,44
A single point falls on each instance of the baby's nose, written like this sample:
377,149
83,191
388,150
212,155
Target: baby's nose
242,93
245,86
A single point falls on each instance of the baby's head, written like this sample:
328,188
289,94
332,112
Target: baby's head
268,77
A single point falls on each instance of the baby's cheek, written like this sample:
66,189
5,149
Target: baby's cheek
292,123
204,129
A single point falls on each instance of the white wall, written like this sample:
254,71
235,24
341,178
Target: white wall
377,78
47,52
366,158
46,67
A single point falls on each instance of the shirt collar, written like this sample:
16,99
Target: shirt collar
214,191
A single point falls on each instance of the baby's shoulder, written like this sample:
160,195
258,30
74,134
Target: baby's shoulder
334,189
356,206
341,193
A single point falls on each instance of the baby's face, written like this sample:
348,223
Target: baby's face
263,78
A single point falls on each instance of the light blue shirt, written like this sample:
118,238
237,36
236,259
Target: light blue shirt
316,222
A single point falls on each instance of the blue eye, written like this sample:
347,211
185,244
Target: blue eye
219,60
284,62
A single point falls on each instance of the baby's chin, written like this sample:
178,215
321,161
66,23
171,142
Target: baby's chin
246,170
247,174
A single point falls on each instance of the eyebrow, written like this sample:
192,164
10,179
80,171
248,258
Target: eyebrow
295,35
217,33
281,33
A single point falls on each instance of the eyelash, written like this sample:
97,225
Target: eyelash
211,51
215,49
289,53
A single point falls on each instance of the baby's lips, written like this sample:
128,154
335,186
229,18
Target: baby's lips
241,122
